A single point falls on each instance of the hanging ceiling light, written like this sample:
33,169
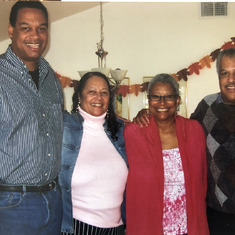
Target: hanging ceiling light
116,75
101,52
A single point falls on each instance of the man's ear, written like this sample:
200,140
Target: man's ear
10,31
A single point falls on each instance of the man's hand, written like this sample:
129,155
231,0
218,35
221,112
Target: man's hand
142,118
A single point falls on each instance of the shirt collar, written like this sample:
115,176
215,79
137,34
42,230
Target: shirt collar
43,65
219,99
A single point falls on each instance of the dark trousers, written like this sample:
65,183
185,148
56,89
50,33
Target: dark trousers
220,223
81,228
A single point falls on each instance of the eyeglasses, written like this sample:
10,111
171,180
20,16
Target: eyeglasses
165,97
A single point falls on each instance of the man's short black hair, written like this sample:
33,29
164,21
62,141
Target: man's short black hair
26,4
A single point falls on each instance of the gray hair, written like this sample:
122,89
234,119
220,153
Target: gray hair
164,78
225,53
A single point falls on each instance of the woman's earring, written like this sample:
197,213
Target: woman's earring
107,114
79,103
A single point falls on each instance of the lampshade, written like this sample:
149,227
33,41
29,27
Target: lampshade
81,73
105,71
118,74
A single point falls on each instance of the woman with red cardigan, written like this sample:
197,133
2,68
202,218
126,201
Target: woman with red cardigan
166,186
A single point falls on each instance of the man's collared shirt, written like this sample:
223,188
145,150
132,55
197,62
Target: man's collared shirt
30,123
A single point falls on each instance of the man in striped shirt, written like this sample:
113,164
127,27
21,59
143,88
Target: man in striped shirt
31,106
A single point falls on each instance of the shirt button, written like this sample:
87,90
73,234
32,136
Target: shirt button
47,134
46,174
49,154
43,114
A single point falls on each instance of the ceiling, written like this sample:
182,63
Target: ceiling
56,9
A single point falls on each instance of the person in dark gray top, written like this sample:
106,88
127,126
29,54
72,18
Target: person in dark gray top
216,114
31,106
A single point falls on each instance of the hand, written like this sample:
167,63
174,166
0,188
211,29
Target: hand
142,118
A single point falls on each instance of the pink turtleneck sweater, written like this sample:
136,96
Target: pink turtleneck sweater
99,177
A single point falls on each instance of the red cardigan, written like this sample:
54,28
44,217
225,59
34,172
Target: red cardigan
145,183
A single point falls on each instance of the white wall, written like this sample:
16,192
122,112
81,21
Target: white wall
144,38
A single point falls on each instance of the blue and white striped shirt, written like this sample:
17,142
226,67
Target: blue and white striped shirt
30,123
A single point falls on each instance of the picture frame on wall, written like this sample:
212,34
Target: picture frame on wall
121,103
182,108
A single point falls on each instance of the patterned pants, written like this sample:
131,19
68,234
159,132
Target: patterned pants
81,228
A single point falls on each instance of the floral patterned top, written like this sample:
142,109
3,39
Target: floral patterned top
174,211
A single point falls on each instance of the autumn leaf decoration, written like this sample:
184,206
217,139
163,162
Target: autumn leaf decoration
193,68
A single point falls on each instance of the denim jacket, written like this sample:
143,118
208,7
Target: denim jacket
72,137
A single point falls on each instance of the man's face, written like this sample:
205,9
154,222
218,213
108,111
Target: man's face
227,79
29,36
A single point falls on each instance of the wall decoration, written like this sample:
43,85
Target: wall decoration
122,103
182,74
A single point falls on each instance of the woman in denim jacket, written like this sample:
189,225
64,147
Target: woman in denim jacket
94,164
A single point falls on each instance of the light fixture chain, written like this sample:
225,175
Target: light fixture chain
101,52
101,25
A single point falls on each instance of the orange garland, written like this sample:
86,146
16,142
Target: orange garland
194,68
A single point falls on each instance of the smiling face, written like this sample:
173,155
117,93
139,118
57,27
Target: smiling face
227,79
29,36
95,96
163,110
